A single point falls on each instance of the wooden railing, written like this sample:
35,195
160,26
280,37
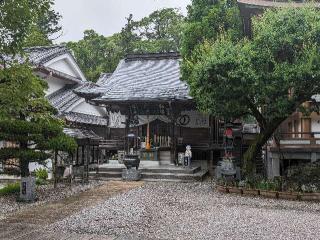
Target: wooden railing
299,138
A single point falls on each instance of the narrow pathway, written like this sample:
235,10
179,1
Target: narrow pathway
31,223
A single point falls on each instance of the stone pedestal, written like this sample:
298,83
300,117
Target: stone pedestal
27,189
131,174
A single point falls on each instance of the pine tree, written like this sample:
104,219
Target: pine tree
26,117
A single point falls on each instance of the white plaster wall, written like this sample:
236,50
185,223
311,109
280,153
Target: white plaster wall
315,124
87,108
64,66
54,84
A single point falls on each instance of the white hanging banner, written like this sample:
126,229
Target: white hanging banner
117,120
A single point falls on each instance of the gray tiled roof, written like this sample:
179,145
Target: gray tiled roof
81,133
88,90
86,119
104,78
41,55
145,77
64,98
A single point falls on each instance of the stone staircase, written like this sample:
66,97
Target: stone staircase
160,173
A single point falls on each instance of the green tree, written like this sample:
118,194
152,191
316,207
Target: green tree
128,37
16,18
267,77
22,20
160,31
46,26
207,19
26,117
96,54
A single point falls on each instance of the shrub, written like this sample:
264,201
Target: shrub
10,189
42,174
305,178
252,182
40,181
269,185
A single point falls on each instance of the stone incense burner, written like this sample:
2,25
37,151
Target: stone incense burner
131,161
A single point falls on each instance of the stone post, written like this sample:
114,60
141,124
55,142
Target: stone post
27,189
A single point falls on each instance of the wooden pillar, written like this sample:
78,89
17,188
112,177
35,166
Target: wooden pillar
93,155
126,132
55,168
173,117
306,122
86,163
173,142
306,127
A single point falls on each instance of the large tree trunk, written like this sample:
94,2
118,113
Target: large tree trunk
252,153
54,168
24,163
24,168
254,149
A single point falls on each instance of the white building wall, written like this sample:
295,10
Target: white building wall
315,124
54,84
66,64
63,66
86,108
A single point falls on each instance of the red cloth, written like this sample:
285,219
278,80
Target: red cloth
228,132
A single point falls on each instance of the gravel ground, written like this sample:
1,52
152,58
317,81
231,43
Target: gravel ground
194,211
45,193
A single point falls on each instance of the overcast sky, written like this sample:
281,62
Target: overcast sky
106,16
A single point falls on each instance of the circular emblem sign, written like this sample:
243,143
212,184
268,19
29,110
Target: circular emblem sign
184,120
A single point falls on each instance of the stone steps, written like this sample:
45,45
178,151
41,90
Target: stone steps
159,169
191,170
169,173
199,176
107,174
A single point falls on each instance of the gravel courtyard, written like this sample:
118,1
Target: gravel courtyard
45,193
194,211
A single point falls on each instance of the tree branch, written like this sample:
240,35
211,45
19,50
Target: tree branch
257,114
